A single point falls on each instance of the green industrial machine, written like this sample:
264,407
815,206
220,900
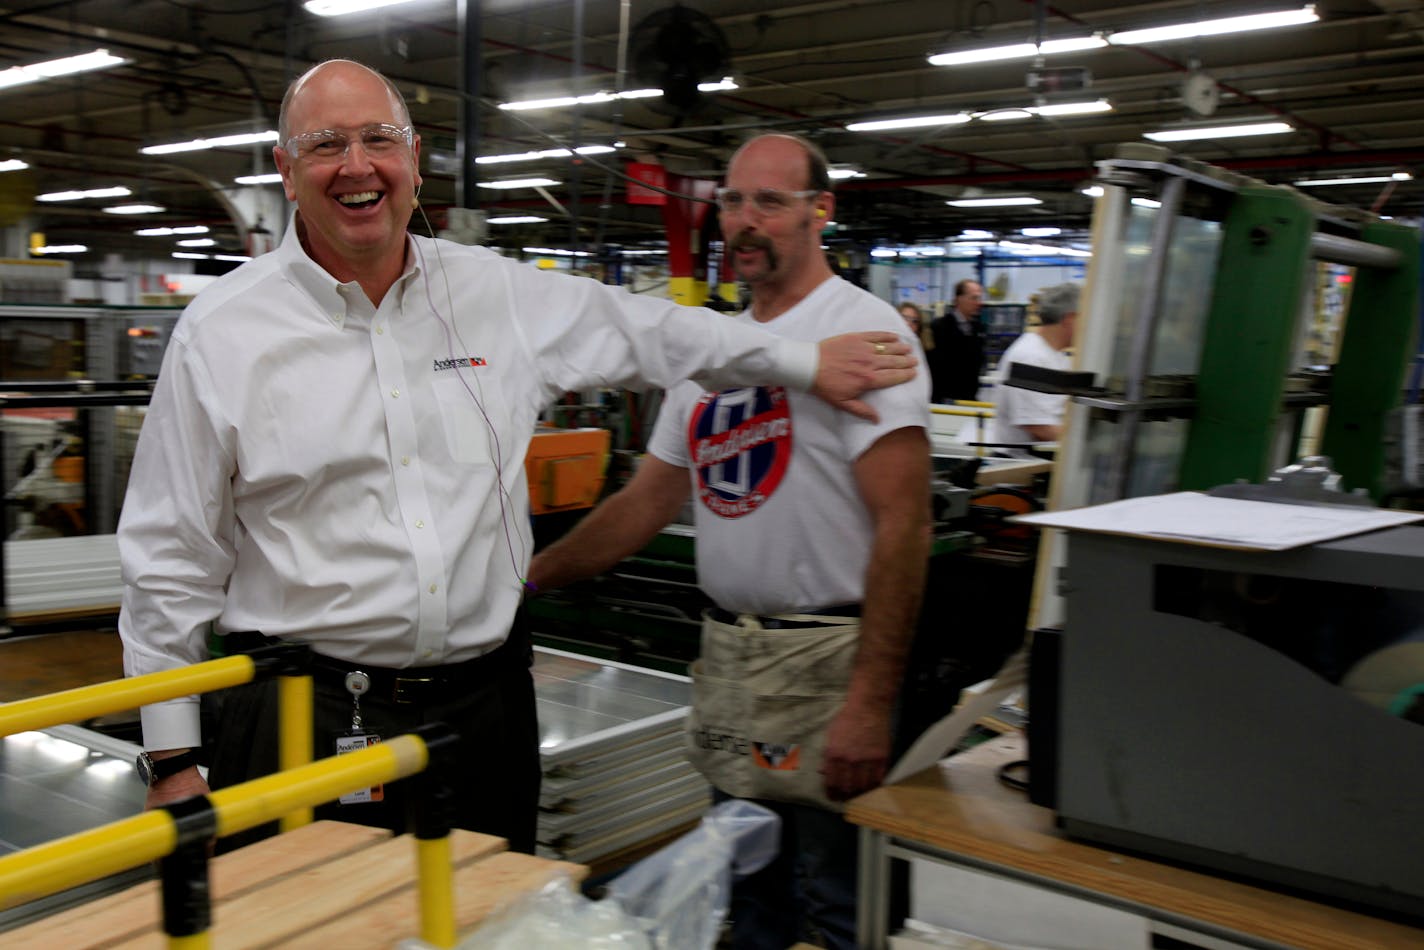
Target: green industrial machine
1193,365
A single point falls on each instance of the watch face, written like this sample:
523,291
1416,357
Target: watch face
144,765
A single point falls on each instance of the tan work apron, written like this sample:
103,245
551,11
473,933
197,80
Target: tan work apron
762,701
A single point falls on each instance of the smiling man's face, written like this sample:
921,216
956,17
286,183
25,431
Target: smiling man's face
355,209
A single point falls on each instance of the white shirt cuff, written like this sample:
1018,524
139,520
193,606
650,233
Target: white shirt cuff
798,361
171,725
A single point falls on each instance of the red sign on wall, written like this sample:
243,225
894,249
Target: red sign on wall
650,173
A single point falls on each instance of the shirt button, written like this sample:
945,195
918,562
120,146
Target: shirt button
395,393
428,654
405,459
433,588
379,331
420,524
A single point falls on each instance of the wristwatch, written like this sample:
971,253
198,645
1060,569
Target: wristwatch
152,771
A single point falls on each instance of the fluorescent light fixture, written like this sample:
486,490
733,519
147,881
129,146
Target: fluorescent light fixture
191,256
116,192
883,252
517,219
911,122
1192,133
1041,250
19,75
197,242
557,252
1003,115
168,232
1018,51
1147,202
974,234
520,183
222,141
724,84
1235,24
232,257
12,165
134,209
545,153
1092,191
271,178
1056,110
642,251
60,249
343,7
927,250
1359,180
560,102
1008,201
1040,232
840,174
1073,108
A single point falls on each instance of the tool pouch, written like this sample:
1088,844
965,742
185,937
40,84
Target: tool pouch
761,703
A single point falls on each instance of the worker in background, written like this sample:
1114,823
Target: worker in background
1024,415
958,353
915,320
812,540
334,455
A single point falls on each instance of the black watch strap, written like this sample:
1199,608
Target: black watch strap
152,770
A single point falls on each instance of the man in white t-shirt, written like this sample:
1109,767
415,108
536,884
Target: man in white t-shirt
811,529
1023,416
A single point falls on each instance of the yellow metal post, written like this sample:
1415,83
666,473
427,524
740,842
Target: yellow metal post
87,856
294,747
86,702
269,798
437,891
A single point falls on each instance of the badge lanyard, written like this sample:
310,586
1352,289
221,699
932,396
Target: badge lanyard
357,684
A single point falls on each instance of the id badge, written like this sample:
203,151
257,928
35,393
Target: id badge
352,743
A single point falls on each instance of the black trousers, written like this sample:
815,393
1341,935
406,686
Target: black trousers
495,772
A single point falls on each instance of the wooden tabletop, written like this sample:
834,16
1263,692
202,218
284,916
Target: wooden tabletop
323,886
960,807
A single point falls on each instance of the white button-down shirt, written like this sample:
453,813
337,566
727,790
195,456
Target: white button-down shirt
316,467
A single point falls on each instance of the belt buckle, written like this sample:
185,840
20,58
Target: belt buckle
407,688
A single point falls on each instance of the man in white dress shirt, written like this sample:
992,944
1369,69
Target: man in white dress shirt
1024,416
334,455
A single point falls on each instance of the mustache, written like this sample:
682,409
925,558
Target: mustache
747,241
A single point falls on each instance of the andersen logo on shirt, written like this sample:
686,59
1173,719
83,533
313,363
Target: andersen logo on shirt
455,362
739,443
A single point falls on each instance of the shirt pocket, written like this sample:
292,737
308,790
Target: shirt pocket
475,419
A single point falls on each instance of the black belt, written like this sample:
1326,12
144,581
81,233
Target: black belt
416,684
846,612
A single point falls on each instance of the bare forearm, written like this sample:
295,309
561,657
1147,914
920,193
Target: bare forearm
894,585
1044,433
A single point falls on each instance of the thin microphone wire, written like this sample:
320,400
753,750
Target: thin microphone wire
501,493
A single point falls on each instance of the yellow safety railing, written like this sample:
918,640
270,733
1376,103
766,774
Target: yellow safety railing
972,409
294,696
178,837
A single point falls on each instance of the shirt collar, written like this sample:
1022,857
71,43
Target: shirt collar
318,284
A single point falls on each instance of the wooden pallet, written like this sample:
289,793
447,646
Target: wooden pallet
326,885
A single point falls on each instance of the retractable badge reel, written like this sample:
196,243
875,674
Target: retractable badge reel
358,684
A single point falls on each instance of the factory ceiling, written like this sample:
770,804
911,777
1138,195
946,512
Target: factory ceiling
1347,86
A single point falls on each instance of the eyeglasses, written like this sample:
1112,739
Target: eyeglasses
769,201
331,145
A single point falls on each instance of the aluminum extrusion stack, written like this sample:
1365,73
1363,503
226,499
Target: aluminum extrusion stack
615,772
